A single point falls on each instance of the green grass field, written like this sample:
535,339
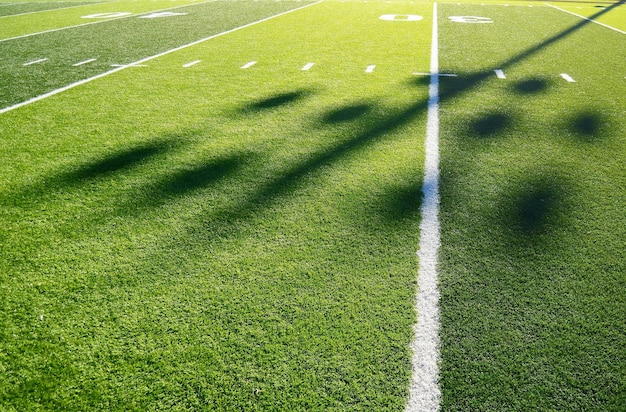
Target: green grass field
215,205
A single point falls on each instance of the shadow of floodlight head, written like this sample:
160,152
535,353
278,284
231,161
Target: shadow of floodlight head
346,113
533,85
489,125
588,126
275,101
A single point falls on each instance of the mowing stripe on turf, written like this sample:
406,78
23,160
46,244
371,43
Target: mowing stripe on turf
425,394
147,59
48,10
101,21
586,18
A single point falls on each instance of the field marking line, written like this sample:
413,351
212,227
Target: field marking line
83,62
193,63
129,65
44,11
500,73
35,62
308,66
425,394
99,21
248,65
585,18
147,59
370,68
568,77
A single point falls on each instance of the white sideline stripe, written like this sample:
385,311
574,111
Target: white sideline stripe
308,66
585,18
98,22
425,394
500,74
147,59
248,65
370,68
193,63
83,62
35,62
568,77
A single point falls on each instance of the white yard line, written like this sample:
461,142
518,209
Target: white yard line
500,74
425,394
568,78
308,66
35,62
84,62
147,59
99,21
370,68
193,63
248,65
585,18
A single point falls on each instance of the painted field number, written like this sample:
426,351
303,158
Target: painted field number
401,17
470,19
161,14
109,15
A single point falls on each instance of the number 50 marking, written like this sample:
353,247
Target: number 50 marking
456,19
401,17
470,19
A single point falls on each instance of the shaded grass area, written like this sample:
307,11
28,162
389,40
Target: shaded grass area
12,8
117,42
245,241
532,273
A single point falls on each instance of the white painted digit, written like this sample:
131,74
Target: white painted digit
401,17
109,15
470,19
160,14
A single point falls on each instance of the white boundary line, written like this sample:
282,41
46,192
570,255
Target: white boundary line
147,59
101,21
585,18
425,394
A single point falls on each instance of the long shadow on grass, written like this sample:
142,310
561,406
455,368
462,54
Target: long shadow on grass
108,165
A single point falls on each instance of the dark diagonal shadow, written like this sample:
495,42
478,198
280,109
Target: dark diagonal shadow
185,182
489,125
108,165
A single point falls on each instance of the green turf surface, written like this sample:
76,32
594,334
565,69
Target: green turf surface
532,269
14,26
122,41
217,238
615,17
11,8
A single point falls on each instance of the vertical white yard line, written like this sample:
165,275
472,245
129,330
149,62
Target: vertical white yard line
425,394
585,18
